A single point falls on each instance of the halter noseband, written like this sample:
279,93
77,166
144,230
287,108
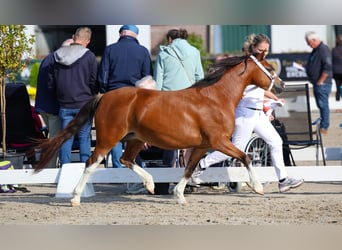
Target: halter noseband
264,70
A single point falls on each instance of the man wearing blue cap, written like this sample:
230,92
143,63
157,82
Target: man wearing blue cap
125,62
122,64
129,27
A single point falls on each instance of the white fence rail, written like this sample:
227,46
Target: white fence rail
68,176
214,174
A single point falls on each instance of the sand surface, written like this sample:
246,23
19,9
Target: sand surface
310,204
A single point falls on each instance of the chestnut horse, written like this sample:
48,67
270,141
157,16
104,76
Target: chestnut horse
199,117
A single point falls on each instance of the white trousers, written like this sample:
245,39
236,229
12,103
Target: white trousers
247,121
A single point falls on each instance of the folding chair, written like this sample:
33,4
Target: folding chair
300,131
22,124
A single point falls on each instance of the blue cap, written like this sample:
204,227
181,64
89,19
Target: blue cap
129,27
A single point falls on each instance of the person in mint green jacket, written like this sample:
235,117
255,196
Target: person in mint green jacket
178,66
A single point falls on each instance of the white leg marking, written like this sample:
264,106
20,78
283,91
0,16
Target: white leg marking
76,200
146,178
178,191
254,181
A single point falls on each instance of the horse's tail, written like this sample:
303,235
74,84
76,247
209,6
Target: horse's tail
48,147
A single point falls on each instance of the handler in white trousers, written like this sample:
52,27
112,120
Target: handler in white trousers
249,117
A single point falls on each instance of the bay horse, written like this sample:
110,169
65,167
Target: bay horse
200,117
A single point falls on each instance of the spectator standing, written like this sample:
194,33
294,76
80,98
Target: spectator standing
46,103
337,65
178,66
123,63
72,77
319,71
249,117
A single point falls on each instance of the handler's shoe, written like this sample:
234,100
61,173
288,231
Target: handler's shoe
289,183
194,180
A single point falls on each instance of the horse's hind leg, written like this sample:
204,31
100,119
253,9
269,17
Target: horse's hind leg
254,183
92,163
231,150
133,147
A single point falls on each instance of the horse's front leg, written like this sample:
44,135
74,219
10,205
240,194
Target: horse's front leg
90,168
144,175
178,191
133,147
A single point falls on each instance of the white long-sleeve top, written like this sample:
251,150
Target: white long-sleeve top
253,98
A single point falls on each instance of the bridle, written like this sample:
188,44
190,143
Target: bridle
272,77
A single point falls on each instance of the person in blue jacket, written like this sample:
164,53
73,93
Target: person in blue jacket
122,64
320,74
72,77
178,66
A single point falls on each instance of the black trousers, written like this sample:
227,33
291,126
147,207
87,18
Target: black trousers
338,81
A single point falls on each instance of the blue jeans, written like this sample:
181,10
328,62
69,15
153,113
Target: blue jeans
116,154
321,93
66,115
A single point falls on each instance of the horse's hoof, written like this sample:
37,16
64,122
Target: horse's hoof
259,192
259,189
182,201
150,192
150,188
75,203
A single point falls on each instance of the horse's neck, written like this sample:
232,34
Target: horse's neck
233,84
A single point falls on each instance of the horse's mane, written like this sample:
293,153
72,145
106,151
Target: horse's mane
218,69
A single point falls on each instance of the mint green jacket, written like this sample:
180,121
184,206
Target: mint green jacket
169,72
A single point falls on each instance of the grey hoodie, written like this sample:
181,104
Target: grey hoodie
67,55
73,76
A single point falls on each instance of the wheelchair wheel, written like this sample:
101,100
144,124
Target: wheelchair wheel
259,153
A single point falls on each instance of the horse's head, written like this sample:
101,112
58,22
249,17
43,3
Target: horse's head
273,83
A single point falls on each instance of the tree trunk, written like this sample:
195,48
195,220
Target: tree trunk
3,114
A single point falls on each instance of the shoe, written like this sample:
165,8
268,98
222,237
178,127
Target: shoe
220,186
289,183
324,131
194,180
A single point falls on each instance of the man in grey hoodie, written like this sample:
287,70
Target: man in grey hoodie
46,103
72,78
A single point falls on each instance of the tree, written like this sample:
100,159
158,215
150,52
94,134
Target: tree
15,47
197,41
